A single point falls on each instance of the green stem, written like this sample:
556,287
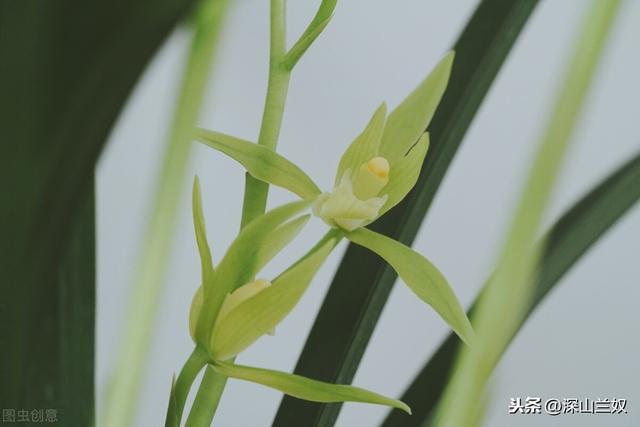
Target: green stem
256,192
130,360
207,400
187,376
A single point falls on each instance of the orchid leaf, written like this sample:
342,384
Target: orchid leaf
410,119
317,25
404,174
422,277
365,146
262,163
201,233
260,314
68,69
240,263
306,388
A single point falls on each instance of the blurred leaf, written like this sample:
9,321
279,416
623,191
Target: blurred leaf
67,68
262,163
153,258
306,388
410,119
506,298
421,276
261,313
201,233
365,146
363,281
317,25
564,244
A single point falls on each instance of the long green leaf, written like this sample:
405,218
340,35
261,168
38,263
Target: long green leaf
67,69
565,243
333,354
422,277
306,388
261,313
151,267
505,300
262,163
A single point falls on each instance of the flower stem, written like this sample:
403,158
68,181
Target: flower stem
190,370
207,400
255,193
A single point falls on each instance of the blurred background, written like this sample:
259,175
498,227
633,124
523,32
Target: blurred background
581,342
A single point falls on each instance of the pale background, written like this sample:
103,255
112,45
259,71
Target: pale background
582,342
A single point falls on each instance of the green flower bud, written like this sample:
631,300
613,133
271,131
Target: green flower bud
240,295
232,300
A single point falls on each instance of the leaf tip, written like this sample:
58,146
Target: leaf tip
404,407
196,185
445,65
382,109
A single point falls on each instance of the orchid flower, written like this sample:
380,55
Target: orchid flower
375,173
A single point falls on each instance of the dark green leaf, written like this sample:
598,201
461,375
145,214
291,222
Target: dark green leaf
569,238
357,295
67,69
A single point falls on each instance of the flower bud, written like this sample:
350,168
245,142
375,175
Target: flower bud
240,295
232,300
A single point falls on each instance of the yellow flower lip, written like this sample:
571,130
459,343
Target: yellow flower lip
379,166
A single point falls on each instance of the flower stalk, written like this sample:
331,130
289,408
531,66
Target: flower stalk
256,191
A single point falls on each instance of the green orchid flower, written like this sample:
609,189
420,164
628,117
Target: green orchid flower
375,173
231,310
